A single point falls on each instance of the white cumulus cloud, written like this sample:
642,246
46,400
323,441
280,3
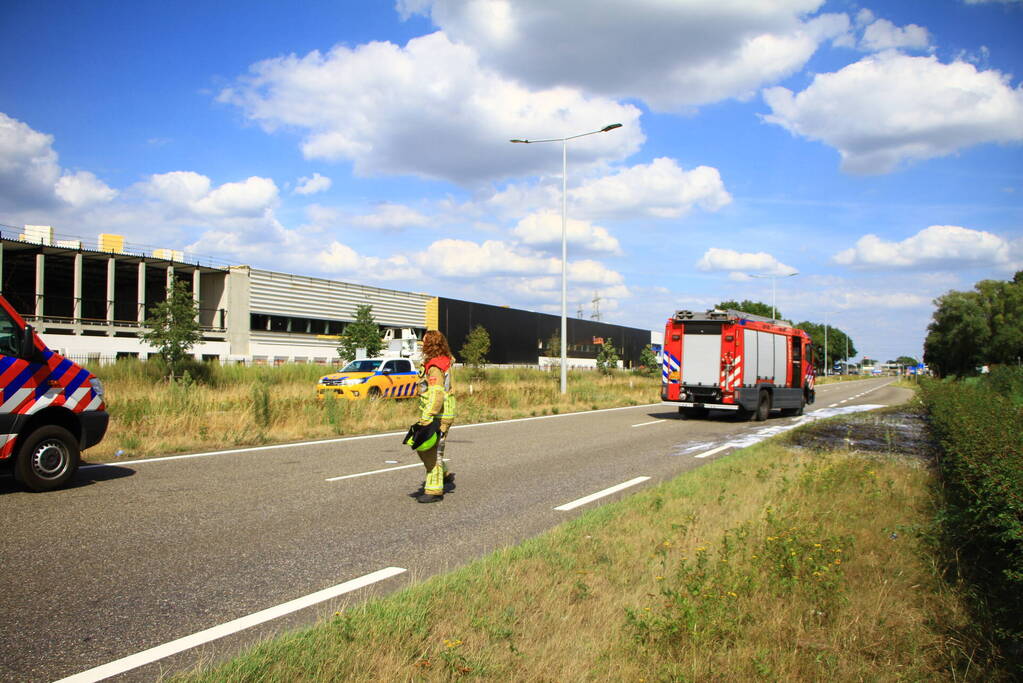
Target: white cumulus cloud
890,108
83,188
944,246
673,55
743,264
884,35
661,189
427,109
543,229
317,183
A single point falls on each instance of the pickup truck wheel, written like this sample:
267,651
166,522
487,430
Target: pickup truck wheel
374,393
47,459
763,406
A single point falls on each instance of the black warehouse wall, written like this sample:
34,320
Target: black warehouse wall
518,336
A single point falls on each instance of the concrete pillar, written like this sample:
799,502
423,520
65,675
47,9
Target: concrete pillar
40,279
111,288
196,285
142,291
77,287
238,303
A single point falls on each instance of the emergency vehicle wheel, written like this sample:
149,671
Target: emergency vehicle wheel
763,407
48,458
374,393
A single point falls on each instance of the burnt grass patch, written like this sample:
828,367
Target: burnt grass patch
900,431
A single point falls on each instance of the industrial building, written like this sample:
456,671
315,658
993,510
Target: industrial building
90,301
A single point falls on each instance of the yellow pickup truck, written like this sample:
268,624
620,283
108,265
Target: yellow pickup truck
372,378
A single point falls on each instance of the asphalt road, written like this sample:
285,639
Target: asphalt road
140,554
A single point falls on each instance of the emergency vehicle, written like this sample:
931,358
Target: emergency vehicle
51,408
372,378
729,360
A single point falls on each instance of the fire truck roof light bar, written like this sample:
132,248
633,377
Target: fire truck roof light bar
718,315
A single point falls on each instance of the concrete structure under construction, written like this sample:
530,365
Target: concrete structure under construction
90,301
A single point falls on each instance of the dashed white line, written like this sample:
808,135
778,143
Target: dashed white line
833,405
600,494
366,474
653,422
188,642
712,451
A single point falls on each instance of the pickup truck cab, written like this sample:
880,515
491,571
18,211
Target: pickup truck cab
51,409
372,378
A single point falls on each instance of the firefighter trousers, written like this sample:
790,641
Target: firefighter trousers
433,461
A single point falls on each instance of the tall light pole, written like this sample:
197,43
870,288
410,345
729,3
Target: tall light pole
826,366
774,308
564,241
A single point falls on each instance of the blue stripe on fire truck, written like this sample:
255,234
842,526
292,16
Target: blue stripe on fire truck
54,376
19,382
670,365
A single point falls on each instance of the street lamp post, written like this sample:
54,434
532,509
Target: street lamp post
826,366
774,308
564,241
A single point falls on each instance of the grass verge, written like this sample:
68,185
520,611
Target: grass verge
774,563
249,406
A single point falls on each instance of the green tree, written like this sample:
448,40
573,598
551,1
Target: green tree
836,343
981,327
607,358
747,306
648,361
474,350
363,333
907,361
174,327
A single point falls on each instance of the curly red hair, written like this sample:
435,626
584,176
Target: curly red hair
435,344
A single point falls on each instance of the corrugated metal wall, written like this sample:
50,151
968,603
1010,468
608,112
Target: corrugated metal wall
308,297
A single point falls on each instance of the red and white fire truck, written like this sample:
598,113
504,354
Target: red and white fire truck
730,360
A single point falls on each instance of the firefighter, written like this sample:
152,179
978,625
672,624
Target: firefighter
436,406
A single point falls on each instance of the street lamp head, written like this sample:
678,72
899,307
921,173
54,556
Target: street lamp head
611,127
523,141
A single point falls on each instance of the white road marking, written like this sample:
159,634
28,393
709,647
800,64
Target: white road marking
366,474
323,442
833,405
600,494
712,451
644,424
181,644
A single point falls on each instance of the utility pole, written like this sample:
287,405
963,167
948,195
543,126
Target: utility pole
596,307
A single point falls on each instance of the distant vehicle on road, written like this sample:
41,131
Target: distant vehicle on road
729,360
51,409
372,378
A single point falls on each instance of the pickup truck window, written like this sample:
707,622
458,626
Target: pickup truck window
362,366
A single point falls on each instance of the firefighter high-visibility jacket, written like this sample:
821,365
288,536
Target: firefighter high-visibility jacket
436,395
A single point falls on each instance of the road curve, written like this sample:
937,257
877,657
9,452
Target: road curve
138,555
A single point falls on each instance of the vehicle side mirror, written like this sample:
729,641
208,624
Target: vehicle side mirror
29,351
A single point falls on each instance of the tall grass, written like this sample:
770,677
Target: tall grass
770,564
234,405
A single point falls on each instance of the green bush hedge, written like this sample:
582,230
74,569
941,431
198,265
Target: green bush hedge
980,432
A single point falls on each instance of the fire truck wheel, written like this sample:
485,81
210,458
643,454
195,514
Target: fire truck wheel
48,458
763,406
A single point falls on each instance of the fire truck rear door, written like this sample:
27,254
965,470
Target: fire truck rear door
701,353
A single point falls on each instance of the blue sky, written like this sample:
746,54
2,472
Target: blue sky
875,149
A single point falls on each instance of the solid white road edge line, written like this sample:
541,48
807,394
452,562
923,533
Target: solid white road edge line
600,494
713,451
175,646
323,442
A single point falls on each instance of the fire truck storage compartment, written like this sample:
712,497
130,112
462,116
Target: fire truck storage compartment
765,357
701,353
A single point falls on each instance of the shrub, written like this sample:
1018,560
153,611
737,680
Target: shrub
981,462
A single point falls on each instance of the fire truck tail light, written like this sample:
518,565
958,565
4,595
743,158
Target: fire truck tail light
729,337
